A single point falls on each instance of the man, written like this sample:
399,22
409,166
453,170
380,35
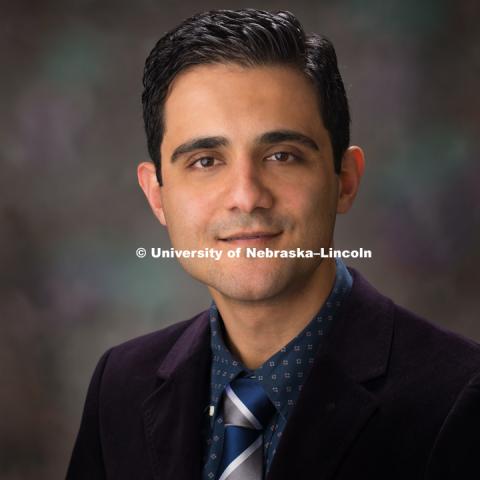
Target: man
300,368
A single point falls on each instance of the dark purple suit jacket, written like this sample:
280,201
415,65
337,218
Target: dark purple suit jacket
391,396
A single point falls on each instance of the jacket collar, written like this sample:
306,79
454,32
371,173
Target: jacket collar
360,339
193,342
332,408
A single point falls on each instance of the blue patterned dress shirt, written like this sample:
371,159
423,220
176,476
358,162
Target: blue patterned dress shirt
282,375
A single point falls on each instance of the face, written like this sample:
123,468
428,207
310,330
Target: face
246,162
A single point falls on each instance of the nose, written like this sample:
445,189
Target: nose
247,189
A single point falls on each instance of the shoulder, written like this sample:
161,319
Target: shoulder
412,335
432,361
422,355
441,348
143,355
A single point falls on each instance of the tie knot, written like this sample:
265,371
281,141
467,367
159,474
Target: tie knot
246,404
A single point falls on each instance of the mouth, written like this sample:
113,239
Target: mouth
250,237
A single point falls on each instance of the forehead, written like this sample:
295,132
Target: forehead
238,101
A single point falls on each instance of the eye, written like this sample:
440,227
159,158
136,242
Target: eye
282,157
204,163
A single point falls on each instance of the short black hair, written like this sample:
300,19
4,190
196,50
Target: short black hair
247,37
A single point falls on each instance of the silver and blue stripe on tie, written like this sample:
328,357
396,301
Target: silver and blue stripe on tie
246,412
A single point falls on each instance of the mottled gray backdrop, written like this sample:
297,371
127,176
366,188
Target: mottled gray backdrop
72,214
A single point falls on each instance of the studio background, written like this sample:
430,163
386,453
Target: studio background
72,213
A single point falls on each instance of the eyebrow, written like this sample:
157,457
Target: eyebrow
267,138
279,136
198,144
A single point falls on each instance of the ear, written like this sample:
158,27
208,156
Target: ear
353,166
152,190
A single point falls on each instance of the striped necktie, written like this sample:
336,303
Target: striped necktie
246,412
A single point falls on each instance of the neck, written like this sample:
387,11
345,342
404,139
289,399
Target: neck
256,330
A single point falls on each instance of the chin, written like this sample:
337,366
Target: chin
250,284
247,291
252,281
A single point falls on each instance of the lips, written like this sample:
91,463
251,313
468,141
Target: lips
249,236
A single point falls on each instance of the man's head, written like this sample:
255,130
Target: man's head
247,158
249,38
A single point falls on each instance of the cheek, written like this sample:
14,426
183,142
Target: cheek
312,204
187,215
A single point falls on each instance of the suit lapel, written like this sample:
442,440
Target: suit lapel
325,421
335,404
174,412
